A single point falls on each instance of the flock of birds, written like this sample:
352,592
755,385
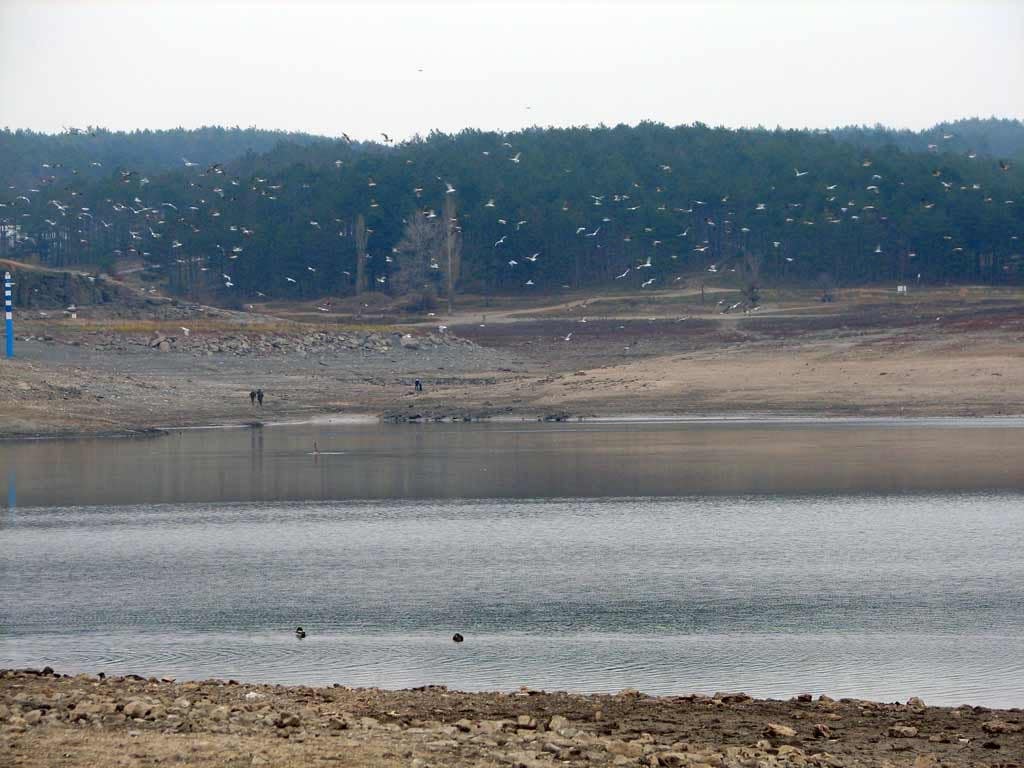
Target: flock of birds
159,231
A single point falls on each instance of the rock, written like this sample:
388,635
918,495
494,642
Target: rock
254,696
825,699
803,697
822,731
491,727
732,698
369,722
181,703
902,731
557,723
670,759
81,712
916,704
220,713
136,709
464,725
526,722
34,717
776,731
287,720
523,760
164,346
999,726
336,724
630,749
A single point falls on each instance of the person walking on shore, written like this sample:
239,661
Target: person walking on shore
259,397
252,396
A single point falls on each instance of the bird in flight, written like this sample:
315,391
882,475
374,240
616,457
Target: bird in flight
800,173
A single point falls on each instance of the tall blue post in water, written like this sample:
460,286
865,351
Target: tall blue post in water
9,314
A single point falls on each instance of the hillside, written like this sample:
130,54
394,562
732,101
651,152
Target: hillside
541,210
91,154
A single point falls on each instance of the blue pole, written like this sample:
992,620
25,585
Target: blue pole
8,314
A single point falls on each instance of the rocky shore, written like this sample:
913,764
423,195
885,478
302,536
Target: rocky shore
84,720
259,344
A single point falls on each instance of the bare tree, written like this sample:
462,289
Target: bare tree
453,248
420,251
749,271
361,238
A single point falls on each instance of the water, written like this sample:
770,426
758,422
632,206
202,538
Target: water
867,559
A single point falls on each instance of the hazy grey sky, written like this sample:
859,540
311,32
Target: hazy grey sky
328,67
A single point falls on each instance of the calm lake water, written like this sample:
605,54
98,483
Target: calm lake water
872,559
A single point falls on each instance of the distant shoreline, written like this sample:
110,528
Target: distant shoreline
738,419
945,355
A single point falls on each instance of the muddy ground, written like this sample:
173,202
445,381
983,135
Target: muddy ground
956,352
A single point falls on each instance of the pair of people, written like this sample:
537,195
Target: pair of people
256,396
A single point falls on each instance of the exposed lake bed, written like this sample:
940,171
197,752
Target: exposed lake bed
84,720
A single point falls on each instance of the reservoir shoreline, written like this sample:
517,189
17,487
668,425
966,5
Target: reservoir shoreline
88,720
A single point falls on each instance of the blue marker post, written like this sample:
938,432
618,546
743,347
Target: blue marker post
9,314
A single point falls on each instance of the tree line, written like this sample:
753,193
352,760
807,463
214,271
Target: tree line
235,215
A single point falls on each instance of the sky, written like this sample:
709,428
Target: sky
406,68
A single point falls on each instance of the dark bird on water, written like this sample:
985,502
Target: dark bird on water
300,632
457,638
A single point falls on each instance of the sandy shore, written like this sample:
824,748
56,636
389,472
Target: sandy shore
947,353
48,719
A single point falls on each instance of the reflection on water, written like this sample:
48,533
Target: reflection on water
518,461
866,560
